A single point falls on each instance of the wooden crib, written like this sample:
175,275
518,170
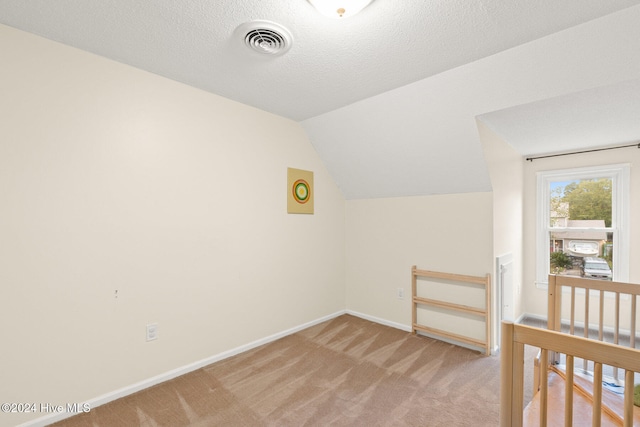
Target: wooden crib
607,312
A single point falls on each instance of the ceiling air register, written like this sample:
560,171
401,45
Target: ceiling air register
265,37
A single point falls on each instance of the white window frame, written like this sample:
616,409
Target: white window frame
620,175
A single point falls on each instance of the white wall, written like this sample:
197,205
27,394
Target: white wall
113,179
385,237
534,299
506,171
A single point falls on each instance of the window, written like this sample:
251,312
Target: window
582,223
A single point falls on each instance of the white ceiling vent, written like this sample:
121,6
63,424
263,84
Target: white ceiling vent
265,37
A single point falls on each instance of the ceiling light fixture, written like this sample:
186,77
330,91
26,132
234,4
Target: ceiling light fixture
339,8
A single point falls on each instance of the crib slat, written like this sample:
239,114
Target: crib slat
616,330
544,387
568,393
633,321
597,395
585,363
518,383
628,398
601,317
573,311
586,313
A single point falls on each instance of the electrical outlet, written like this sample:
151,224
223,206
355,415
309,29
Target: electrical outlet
400,293
152,332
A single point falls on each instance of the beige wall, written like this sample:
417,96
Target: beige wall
506,172
113,179
385,237
534,299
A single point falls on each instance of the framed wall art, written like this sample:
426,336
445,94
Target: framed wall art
299,191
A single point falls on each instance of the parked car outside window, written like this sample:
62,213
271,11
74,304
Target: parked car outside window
596,268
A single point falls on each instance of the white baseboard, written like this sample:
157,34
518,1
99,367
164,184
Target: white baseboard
374,319
408,328
531,316
521,318
125,391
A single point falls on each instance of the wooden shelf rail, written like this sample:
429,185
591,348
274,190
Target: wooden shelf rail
484,313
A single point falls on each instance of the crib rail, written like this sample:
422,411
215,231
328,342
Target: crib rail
515,337
483,313
597,314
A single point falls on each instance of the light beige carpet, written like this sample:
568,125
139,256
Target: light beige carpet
343,372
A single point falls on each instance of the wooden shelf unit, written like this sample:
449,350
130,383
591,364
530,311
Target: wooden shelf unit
484,313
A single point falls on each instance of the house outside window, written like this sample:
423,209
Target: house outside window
582,223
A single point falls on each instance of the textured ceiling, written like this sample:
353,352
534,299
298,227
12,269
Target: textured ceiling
599,117
388,97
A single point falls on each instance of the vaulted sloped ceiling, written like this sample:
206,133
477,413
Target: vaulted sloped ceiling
576,89
389,97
